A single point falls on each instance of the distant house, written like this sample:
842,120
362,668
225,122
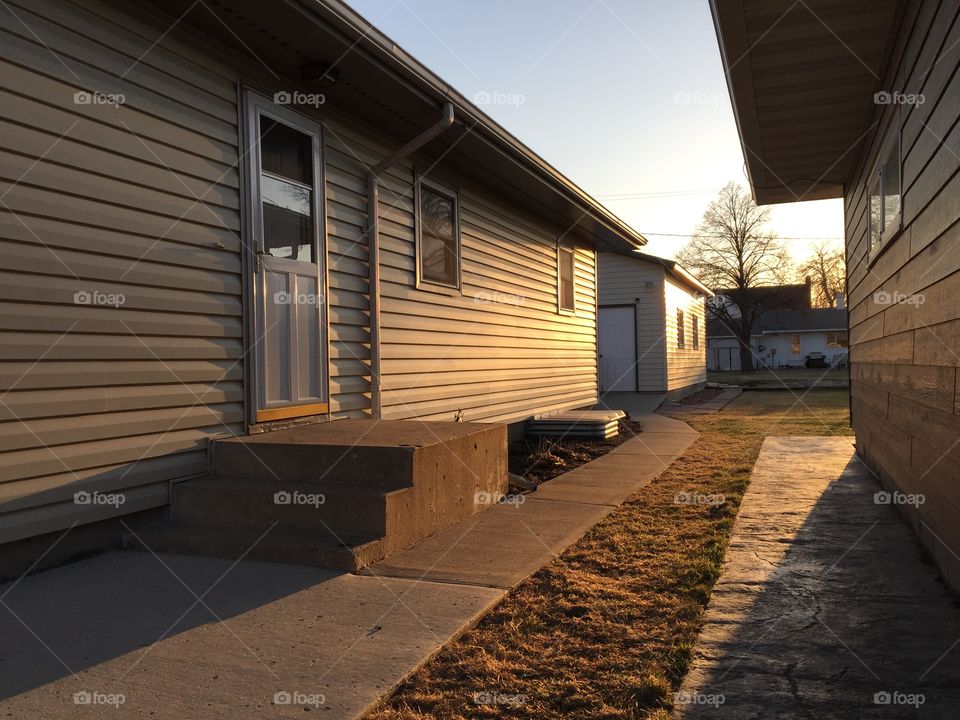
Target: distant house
227,220
760,299
731,312
783,338
651,325
859,101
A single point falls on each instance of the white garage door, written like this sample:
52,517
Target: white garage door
618,349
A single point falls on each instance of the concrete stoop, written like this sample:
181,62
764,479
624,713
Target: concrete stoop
340,495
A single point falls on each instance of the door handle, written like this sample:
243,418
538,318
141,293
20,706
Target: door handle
256,258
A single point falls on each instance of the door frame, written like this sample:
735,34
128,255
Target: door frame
636,347
254,100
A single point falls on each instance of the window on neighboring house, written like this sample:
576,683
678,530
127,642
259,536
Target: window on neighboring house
695,326
566,299
883,187
681,340
795,344
438,235
837,340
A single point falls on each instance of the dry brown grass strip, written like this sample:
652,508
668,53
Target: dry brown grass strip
607,629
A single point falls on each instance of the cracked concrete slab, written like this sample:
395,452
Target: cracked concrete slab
827,606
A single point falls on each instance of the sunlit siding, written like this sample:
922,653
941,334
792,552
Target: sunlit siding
500,351
144,200
629,281
905,357
686,366
347,154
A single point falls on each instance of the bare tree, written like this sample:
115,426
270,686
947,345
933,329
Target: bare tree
734,252
827,269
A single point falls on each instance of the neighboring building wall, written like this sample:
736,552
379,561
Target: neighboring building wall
782,344
777,350
499,351
905,356
686,366
625,281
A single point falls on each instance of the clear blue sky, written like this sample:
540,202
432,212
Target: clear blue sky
625,97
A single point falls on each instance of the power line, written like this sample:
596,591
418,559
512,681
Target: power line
664,193
690,235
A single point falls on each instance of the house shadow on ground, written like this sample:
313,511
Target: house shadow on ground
60,622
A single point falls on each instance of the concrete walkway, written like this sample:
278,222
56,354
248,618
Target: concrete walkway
826,607
635,403
508,543
723,398
188,637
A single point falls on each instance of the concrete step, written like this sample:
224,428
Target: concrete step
383,485
282,545
312,463
385,454
247,502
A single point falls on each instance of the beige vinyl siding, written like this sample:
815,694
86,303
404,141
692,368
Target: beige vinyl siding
624,281
905,357
686,366
135,200
348,276
144,200
500,351
129,200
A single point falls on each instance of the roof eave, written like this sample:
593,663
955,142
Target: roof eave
621,234
771,185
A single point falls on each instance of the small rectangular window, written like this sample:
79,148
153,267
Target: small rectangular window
837,340
795,344
696,332
681,339
566,298
438,235
883,188
876,217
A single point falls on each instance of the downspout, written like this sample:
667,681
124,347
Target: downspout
373,243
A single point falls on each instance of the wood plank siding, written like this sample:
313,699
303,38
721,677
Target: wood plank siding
628,281
905,356
142,200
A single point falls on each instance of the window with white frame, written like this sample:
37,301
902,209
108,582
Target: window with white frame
566,298
681,332
837,340
438,235
884,190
